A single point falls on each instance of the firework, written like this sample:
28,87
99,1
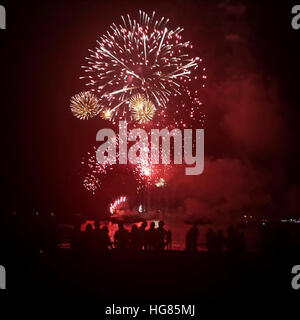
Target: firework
85,105
106,114
144,172
117,204
139,57
160,183
91,183
142,109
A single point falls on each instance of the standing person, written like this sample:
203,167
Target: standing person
169,240
142,236
97,238
191,239
107,245
121,238
151,237
161,236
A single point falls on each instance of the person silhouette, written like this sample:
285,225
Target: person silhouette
97,237
106,243
142,235
191,239
89,228
169,240
151,238
161,235
121,238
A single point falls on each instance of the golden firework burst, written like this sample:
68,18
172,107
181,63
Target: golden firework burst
85,105
160,183
143,110
106,114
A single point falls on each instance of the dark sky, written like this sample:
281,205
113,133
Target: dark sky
251,102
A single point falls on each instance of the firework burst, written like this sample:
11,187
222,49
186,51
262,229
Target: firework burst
117,204
144,172
139,57
142,109
85,105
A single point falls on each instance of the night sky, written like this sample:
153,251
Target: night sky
251,102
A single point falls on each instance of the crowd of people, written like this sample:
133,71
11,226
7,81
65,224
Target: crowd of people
152,238
138,238
38,235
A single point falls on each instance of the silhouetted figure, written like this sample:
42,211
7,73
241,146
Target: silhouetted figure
134,238
191,239
96,227
151,237
161,234
106,243
142,234
169,240
122,238
89,228
97,238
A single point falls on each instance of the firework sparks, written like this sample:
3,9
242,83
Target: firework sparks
91,183
85,105
145,173
141,57
139,69
143,110
106,114
160,183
